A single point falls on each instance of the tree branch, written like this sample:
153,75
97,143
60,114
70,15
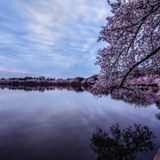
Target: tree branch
138,63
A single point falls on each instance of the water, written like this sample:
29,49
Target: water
59,125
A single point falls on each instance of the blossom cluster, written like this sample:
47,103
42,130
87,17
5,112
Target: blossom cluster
132,35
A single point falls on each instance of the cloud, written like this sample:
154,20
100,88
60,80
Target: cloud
14,70
53,34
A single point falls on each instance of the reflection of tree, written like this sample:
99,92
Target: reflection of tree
158,116
117,144
140,97
158,104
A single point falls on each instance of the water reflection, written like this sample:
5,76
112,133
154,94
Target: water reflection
136,96
59,125
75,88
158,116
139,96
122,144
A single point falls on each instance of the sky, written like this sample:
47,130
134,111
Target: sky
52,38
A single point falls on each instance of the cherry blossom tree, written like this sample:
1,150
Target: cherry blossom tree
132,34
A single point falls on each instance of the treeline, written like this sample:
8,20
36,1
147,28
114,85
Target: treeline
42,81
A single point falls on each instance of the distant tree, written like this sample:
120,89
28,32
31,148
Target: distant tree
132,35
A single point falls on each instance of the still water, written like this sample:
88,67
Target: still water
61,125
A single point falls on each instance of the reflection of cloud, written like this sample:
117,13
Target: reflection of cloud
64,31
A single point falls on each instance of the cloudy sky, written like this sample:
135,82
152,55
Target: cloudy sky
55,38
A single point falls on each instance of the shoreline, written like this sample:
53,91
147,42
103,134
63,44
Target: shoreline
42,83
142,81
141,91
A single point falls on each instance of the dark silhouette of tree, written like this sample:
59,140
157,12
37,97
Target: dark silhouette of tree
117,144
132,35
158,116
158,104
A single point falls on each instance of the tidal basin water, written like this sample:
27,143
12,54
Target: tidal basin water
59,124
